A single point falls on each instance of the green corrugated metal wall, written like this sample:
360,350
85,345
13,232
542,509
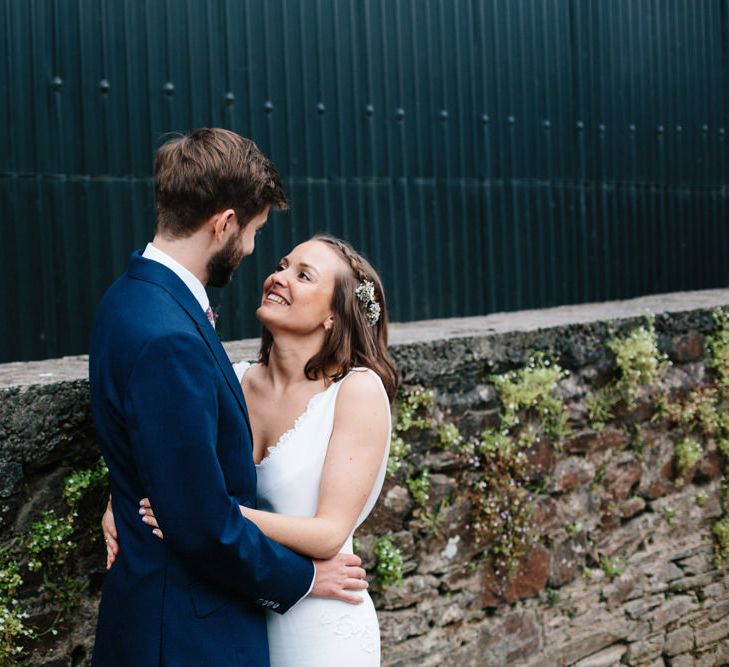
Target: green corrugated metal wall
486,154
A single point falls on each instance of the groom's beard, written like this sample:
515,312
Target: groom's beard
224,262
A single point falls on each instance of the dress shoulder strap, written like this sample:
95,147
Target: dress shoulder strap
241,368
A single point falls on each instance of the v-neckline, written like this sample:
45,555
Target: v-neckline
275,449
286,435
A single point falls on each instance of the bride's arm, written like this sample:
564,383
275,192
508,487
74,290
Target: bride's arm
356,448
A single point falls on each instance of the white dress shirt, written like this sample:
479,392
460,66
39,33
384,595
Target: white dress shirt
187,277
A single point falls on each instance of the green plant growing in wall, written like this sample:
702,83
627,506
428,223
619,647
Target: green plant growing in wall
449,436
720,532
718,345
78,483
43,551
599,406
718,363
714,418
12,616
49,541
612,566
414,412
662,408
500,486
527,395
699,412
688,453
399,450
432,520
573,528
419,487
639,362
415,409
389,566
502,504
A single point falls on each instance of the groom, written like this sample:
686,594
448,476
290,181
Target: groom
173,426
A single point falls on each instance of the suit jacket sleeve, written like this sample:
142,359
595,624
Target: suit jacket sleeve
171,404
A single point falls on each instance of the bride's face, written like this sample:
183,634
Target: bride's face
297,296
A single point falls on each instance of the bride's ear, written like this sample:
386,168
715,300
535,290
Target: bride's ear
329,323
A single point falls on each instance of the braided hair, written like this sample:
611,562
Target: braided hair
352,340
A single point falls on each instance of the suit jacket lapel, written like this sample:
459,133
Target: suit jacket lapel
151,271
211,338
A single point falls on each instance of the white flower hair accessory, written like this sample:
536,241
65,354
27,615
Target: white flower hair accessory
366,294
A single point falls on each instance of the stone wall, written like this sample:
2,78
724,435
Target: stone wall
620,568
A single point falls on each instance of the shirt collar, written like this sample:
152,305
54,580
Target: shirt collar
187,277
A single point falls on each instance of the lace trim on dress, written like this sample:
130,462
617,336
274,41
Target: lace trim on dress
275,450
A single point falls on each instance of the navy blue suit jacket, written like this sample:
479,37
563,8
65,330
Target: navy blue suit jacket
173,426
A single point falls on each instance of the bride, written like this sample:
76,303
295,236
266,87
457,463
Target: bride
319,399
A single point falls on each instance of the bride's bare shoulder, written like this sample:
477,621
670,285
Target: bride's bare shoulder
362,388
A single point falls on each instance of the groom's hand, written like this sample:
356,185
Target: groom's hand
337,577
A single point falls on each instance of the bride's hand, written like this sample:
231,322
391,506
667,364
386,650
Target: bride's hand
145,509
108,529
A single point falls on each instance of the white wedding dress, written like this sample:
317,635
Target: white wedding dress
316,632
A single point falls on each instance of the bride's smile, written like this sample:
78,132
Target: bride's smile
276,298
298,294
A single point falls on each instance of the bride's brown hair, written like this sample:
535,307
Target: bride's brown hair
352,341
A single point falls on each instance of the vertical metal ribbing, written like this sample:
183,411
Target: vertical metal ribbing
700,124
485,154
7,139
483,167
370,233
416,186
446,235
468,136
343,135
326,110
8,302
391,235
437,167
723,194
401,237
458,119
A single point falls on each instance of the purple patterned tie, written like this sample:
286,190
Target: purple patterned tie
211,316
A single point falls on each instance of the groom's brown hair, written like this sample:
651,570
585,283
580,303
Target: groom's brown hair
208,171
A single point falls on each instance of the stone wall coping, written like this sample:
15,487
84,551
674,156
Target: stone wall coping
69,369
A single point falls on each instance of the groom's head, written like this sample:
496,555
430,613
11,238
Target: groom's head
217,182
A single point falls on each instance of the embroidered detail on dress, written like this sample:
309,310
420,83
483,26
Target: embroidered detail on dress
346,627
369,640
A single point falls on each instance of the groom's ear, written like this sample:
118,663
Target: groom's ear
222,224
